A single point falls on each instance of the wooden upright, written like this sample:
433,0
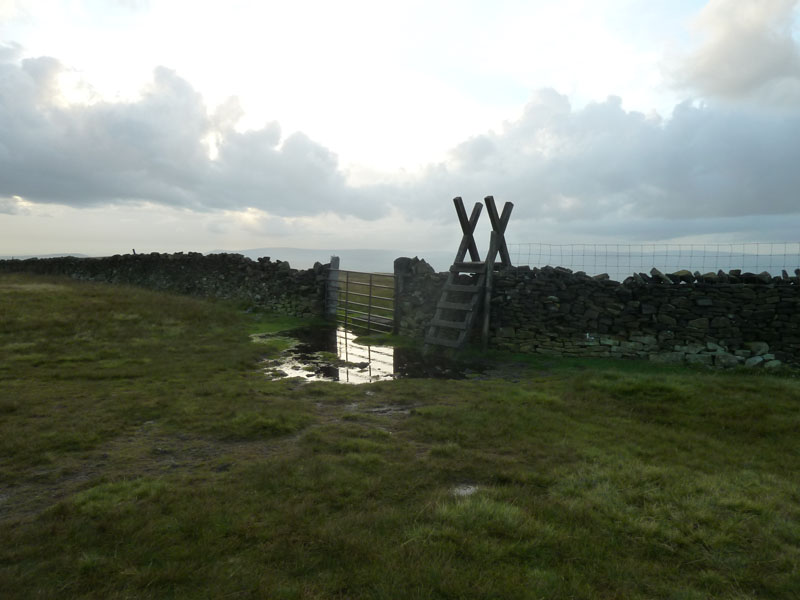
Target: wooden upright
469,283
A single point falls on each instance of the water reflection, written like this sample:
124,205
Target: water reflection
328,354
362,364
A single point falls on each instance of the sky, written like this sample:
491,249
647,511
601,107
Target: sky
196,126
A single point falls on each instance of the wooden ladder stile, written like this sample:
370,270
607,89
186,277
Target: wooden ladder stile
456,311
460,302
457,297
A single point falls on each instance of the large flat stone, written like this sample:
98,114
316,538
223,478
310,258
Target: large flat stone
667,358
753,361
758,348
725,360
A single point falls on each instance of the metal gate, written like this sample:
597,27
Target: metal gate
361,301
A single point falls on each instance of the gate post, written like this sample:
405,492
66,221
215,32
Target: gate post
332,289
400,272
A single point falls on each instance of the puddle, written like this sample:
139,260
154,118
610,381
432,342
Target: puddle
464,490
328,354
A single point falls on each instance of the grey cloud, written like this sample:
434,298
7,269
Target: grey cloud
597,165
155,149
748,51
602,162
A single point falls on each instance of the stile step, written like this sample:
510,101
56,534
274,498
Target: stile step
455,305
468,267
455,287
450,324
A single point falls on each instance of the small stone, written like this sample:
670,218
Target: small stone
422,268
764,277
659,276
753,361
699,359
665,335
710,277
683,275
630,346
758,348
666,320
701,323
667,358
725,360
772,364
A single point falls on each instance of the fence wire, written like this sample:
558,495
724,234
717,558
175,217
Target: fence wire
622,260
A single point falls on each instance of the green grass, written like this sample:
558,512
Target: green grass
143,455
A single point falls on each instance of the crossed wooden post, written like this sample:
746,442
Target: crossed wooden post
468,227
499,224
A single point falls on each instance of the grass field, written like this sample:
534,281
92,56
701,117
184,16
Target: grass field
142,455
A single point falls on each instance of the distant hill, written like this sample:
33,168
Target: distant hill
372,261
25,256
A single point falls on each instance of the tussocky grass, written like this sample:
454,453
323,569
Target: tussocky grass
142,455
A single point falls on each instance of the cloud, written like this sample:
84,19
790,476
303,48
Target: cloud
602,162
12,206
564,168
156,149
748,51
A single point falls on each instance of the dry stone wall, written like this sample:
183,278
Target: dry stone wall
263,283
721,319
417,289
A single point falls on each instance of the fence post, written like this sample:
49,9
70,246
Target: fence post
400,269
369,306
346,297
332,289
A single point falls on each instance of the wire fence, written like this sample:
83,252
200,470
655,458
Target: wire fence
622,260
